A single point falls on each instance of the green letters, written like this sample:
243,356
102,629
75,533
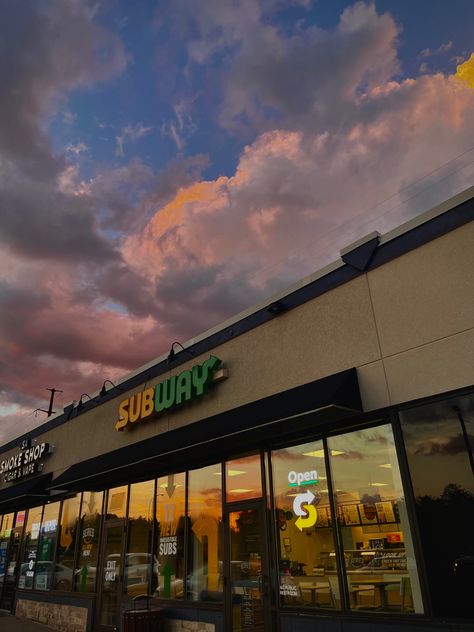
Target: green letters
203,374
165,394
183,387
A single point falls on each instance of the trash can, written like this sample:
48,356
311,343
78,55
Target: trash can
141,620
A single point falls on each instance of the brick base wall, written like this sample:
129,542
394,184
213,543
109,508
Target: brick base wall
58,616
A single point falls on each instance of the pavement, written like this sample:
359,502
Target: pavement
9,623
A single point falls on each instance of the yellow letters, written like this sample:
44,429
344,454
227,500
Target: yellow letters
135,407
147,402
123,415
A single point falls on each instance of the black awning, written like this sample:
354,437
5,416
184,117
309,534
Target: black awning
274,418
26,494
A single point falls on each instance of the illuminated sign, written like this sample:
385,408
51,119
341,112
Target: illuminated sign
169,394
303,504
25,462
295,479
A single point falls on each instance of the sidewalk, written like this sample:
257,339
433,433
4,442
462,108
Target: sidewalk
8,623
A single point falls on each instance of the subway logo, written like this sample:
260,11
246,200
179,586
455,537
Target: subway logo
169,394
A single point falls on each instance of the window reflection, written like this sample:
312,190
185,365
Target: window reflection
117,502
32,532
204,550
89,530
308,573
438,439
138,562
379,559
243,478
46,548
5,537
64,571
170,514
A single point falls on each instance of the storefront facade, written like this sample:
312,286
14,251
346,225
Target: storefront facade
307,465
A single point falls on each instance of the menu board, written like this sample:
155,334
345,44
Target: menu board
368,514
385,512
350,515
324,517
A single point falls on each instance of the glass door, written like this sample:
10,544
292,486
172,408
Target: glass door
10,540
111,575
247,591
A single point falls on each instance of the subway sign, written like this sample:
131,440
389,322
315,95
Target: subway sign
173,392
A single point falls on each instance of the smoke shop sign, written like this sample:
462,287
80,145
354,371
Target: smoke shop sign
26,462
169,394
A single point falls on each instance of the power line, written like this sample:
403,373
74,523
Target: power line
336,228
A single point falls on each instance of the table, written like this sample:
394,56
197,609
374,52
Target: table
380,585
314,587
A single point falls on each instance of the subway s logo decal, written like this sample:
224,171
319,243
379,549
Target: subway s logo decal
168,394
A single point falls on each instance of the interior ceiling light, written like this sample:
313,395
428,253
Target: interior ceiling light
387,465
379,484
231,473
320,453
317,453
240,491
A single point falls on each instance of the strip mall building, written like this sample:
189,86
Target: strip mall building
307,465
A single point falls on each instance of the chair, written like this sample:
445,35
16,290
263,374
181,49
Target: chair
356,591
405,592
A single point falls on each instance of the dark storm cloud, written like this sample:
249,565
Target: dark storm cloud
310,80
210,293
41,222
132,193
47,49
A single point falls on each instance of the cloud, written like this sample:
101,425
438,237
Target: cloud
76,149
130,133
454,445
312,78
465,72
443,48
183,128
53,49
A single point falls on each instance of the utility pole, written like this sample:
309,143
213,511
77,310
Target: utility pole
50,410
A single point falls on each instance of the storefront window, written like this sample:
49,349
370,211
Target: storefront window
47,547
139,566
243,478
308,571
439,439
205,534
64,569
5,533
170,514
379,559
32,532
117,502
89,531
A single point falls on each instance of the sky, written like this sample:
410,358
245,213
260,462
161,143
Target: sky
165,164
